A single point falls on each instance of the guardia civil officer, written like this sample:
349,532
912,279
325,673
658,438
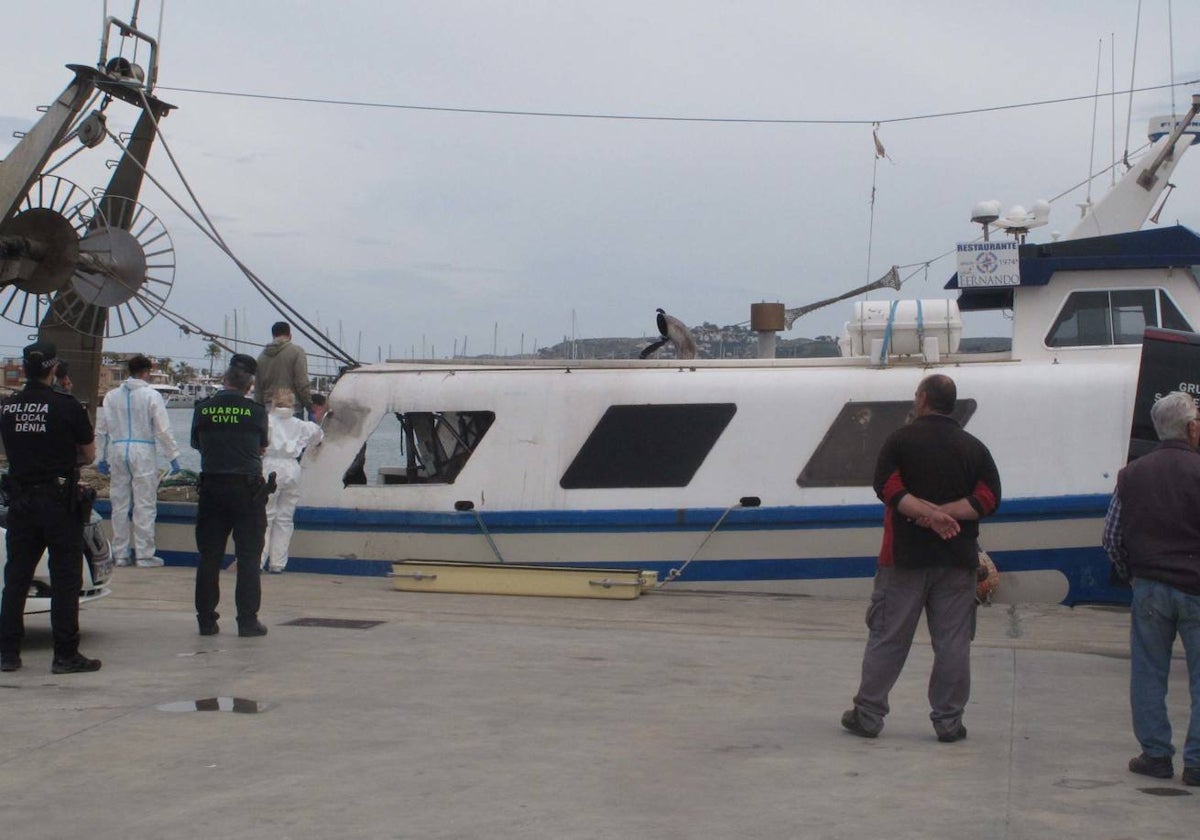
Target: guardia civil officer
47,435
230,430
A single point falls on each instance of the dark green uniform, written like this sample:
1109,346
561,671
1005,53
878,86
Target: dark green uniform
230,430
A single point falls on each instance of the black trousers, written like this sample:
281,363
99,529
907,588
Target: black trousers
40,519
237,505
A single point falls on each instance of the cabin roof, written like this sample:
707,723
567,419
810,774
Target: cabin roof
1168,247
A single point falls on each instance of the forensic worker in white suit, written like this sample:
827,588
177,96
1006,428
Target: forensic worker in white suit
289,437
131,428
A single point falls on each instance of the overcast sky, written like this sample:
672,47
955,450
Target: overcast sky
396,229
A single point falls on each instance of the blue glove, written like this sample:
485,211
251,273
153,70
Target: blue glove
175,466
102,468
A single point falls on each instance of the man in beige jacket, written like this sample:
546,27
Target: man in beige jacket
282,364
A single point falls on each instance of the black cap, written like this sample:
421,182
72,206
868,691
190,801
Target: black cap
42,356
244,362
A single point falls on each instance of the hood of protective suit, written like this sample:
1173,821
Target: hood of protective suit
289,435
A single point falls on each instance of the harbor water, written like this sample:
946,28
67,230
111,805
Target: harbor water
385,447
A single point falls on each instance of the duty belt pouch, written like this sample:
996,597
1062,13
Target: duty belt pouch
85,498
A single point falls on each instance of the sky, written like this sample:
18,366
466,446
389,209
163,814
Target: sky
403,231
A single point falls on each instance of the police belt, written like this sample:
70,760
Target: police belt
230,478
58,482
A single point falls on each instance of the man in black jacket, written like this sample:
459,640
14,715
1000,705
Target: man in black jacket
936,481
47,435
230,430
1152,534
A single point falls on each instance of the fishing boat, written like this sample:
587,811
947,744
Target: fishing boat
755,475
722,474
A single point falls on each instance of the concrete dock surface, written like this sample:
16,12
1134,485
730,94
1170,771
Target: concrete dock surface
676,715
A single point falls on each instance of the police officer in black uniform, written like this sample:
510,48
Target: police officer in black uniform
231,432
47,435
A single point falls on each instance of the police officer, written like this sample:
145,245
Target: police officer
47,436
230,430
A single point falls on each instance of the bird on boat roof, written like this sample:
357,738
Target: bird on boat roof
674,331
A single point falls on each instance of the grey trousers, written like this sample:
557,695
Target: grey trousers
947,596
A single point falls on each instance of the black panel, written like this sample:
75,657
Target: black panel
1170,362
847,454
648,445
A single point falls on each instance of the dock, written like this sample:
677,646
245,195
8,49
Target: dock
373,713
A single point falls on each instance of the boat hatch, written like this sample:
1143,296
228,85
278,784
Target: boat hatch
648,446
1113,316
432,446
846,455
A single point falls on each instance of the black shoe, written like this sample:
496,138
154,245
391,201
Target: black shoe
1158,766
210,629
257,628
1191,776
953,735
10,662
77,664
851,722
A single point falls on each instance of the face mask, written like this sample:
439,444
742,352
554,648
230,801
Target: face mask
282,411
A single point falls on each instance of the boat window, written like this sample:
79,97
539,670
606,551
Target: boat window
419,447
1171,317
1084,321
846,455
1133,311
648,445
1104,318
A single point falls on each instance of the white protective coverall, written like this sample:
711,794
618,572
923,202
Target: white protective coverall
289,437
131,419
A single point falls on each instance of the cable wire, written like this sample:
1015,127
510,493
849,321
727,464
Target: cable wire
502,112
211,232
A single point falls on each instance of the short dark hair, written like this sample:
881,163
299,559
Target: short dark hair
238,378
940,392
318,399
280,328
244,362
62,371
139,364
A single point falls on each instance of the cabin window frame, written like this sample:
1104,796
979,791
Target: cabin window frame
647,446
849,450
435,447
1112,310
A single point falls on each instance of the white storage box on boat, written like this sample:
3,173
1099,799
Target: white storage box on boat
904,325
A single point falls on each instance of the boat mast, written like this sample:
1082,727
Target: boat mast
67,259
1128,204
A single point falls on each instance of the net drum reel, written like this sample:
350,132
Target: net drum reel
102,267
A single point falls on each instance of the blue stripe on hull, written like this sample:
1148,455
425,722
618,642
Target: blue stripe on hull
1086,569
638,519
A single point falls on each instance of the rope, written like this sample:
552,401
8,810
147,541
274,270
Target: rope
871,221
1095,111
887,333
656,118
281,306
216,239
1132,70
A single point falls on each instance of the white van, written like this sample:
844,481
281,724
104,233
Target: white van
97,566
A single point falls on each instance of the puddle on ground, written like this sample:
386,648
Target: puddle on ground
1164,791
239,705
1082,784
342,623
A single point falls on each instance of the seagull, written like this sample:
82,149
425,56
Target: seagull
674,331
